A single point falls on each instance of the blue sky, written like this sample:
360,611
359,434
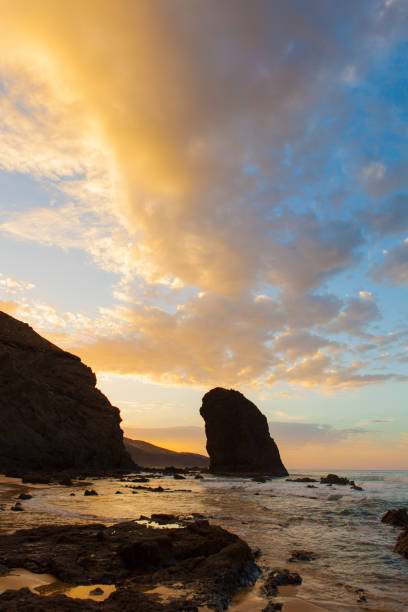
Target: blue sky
193,196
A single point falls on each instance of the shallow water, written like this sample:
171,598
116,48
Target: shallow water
342,526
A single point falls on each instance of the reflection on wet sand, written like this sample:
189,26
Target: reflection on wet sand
46,584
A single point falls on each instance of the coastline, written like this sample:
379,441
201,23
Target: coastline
209,497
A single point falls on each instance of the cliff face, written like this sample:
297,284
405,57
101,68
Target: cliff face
52,417
150,455
238,439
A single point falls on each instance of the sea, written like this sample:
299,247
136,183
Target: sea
341,527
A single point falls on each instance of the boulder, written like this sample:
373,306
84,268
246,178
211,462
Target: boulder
24,496
332,479
211,563
238,439
301,555
302,479
402,544
152,552
52,416
278,577
397,517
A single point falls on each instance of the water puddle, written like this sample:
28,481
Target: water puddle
46,584
20,578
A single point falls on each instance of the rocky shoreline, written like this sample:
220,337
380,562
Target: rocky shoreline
211,563
161,561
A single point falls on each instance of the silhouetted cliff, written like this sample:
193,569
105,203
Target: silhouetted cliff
52,417
238,439
150,455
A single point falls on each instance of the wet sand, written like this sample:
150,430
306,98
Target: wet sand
46,584
248,600
10,489
253,600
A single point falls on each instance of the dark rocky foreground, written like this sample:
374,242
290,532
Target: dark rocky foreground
211,563
398,517
52,417
238,439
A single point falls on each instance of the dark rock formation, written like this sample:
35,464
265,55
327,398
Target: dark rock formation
302,479
51,415
301,555
144,453
333,479
238,439
279,577
402,544
397,517
210,562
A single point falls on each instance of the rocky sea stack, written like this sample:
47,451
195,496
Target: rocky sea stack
238,439
52,417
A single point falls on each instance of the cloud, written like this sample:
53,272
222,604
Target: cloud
9,307
12,285
188,148
298,344
394,269
304,434
320,370
389,217
162,129
208,339
356,316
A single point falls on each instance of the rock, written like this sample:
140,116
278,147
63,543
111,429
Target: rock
397,517
332,479
148,553
52,417
361,596
17,507
25,496
311,486
301,555
97,591
89,492
170,470
164,519
118,492
72,494
260,479
356,487
199,477
302,479
401,546
179,477
211,563
158,489
238,439
273,607
66,481
278,577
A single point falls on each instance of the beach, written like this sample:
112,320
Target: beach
352,549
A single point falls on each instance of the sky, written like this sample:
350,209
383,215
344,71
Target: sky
197,194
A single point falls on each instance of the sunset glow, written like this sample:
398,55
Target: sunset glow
198,194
